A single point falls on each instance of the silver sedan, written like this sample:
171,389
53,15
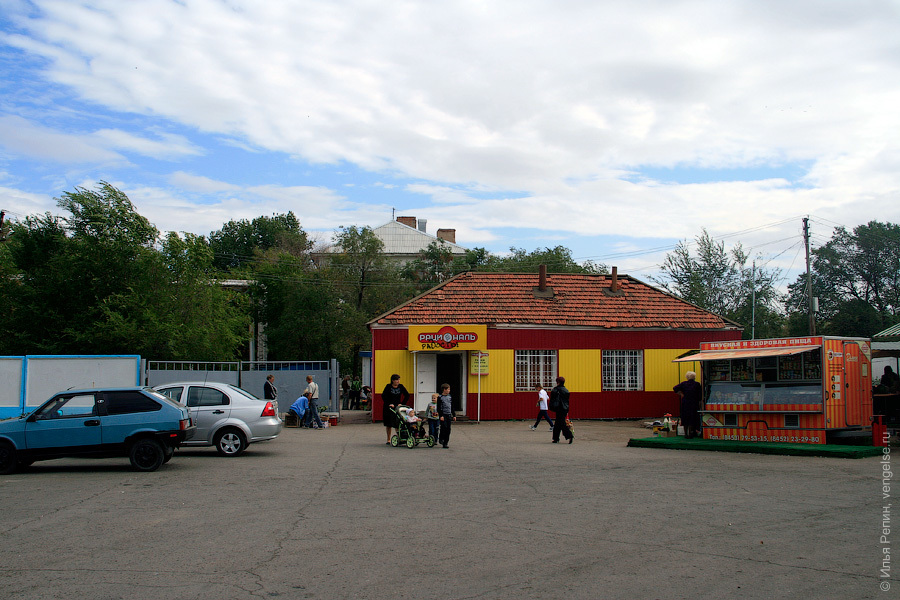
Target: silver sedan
225,416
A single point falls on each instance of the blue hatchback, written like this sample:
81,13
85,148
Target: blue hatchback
134,422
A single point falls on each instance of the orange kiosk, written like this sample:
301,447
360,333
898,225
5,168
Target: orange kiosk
800,390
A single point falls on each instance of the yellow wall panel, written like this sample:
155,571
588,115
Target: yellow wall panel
388,362
581,368
661,374
501,374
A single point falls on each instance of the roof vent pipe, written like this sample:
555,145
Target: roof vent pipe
614,284
422,224
542,279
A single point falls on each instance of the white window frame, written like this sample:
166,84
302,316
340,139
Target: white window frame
533,367
622,371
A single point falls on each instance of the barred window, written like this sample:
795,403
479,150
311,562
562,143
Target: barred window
623,370
535,367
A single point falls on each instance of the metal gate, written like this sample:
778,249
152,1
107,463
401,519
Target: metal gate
290,377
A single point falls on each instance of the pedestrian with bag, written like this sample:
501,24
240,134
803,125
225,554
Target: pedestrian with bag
559,404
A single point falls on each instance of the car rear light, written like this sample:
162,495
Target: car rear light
269,410
184,424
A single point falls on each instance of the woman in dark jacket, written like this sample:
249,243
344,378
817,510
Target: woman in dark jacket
394,394
690,392
559,403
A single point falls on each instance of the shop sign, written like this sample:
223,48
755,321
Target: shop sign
447,337
478,363
771,343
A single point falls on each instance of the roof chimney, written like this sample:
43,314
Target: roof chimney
542,290
422,224
448,235
614,288
408,221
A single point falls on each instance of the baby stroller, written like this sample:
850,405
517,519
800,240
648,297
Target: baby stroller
410,434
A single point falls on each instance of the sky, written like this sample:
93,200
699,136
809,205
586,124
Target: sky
614,128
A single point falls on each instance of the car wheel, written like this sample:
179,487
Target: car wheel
230,442
147,455
8,460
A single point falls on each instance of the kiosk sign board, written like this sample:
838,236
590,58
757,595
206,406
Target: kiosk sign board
444,338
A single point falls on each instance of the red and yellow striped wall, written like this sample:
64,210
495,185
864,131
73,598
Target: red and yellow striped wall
579,360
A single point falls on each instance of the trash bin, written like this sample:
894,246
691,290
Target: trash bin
879,431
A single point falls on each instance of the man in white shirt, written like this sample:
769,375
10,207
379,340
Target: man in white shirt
312,392
542,408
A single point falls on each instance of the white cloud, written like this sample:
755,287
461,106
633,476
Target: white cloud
168,147
21,136
103,146
545,104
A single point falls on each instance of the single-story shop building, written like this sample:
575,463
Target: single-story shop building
495,336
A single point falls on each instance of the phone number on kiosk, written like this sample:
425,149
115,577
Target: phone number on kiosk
763,438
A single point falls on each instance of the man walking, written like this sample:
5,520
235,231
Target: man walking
559,403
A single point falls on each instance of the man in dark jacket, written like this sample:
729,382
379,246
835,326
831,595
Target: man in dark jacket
690,393
559,403
270,392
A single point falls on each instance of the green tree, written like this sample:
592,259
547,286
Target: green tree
94,282
558,260
302,312
239,243
434,265
856,277
367,283
722,282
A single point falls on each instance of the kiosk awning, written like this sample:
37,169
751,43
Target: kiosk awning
744,353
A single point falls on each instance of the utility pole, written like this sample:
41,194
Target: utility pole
809,288
753,300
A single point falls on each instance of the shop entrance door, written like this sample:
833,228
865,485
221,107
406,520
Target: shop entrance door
426,380
450,370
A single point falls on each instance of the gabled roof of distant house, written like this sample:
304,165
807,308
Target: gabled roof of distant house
568,300
406,238
403,239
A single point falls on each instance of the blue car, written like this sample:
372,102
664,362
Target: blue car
135,422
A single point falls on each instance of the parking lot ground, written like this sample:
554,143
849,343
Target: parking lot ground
502,513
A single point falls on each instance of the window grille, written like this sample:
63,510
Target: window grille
535,367
623,370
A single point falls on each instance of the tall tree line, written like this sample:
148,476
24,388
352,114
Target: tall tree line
102,280
855,277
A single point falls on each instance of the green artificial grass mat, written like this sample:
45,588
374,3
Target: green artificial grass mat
833,450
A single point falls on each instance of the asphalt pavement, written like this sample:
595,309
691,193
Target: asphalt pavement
501,513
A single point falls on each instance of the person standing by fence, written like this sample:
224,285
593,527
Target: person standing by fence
312,393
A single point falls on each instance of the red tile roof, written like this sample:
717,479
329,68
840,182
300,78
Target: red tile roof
577,301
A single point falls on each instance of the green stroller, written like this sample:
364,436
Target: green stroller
410,434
